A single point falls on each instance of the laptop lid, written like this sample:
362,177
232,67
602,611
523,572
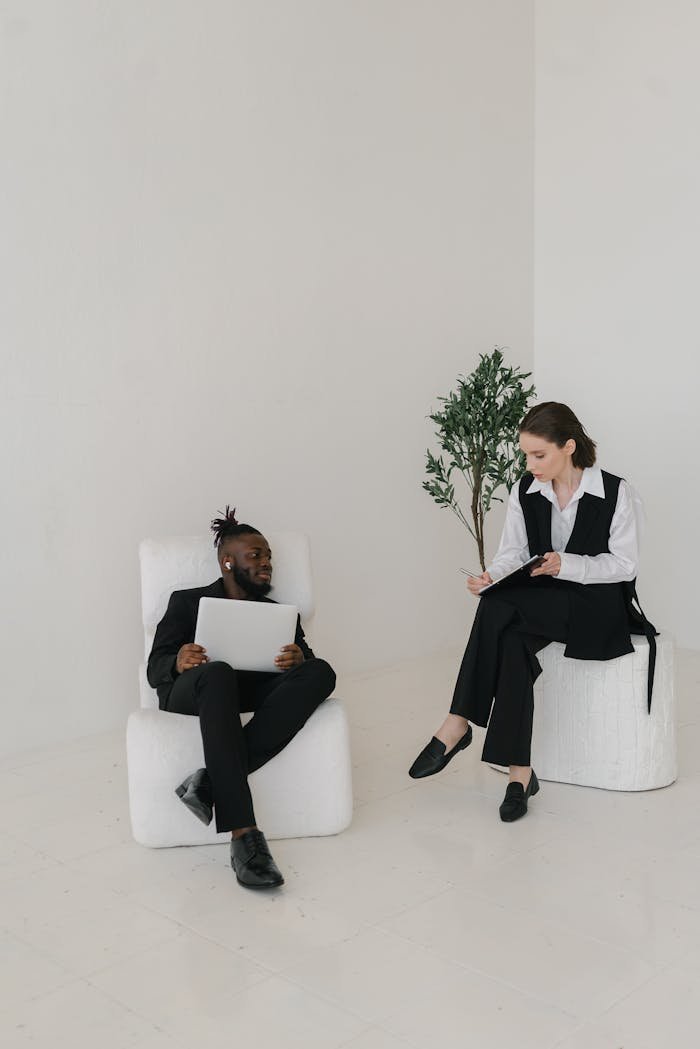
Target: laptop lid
247,635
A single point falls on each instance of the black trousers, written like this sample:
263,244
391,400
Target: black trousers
500,666
219,695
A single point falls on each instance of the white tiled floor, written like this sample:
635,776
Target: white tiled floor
428,923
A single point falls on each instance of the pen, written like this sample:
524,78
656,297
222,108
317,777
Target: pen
472,574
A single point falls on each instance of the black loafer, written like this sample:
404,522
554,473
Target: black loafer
433,758
195,793
253,863
514,805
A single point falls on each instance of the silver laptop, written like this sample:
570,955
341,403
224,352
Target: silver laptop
247,635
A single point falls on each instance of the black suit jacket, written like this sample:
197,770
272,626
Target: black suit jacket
177,628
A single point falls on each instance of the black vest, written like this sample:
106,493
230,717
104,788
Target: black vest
603,615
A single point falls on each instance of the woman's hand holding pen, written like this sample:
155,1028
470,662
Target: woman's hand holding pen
551,565
478,582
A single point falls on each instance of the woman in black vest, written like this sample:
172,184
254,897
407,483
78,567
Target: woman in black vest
584,523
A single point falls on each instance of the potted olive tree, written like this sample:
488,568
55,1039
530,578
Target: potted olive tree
477,429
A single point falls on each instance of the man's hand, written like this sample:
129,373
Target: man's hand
551,565
190,656
290,656
478,582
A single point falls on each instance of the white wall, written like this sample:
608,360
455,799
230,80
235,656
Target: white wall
244,247
617,228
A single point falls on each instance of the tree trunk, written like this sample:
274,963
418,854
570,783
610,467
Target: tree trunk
478,518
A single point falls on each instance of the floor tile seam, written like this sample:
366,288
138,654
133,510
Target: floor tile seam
115,894
180,928
448,887
399,790
632,951
371,1021
379,760
528,998
31,792
269,970
115,1000
576,1030
379,797
385,1020
542,842
86,983
77,856
121,894
509,985
169,1031
117,776
527,995
70,976
13,768
160,1030
515,854
572,930
313,993
439,956
592,1023
473,892
108,818
622,855
130,956
658,897
20,841
46,956
542,999
402,1040
576,826
110,736
600,1017
8,880
81,976
559,1042
399,760
67,865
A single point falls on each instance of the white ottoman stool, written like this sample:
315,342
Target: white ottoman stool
305,790
591,724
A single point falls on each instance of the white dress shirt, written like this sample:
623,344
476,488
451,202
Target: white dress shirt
619,566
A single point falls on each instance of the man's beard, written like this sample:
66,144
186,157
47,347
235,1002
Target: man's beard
248,586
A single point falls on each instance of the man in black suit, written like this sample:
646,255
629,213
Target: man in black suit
188,683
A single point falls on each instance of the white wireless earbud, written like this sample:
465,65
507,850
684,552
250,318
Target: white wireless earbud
227,564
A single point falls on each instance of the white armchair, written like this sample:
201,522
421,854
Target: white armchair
305,790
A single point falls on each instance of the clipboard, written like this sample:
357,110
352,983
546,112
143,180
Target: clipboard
518,575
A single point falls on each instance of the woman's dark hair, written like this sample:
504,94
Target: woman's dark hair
558,424
227,527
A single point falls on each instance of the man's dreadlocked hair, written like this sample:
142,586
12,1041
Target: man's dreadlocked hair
226,527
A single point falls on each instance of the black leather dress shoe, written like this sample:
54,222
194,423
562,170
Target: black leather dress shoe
195,793
433,758
514,805
253,863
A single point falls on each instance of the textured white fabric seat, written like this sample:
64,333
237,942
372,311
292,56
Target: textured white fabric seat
305,790
591,724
